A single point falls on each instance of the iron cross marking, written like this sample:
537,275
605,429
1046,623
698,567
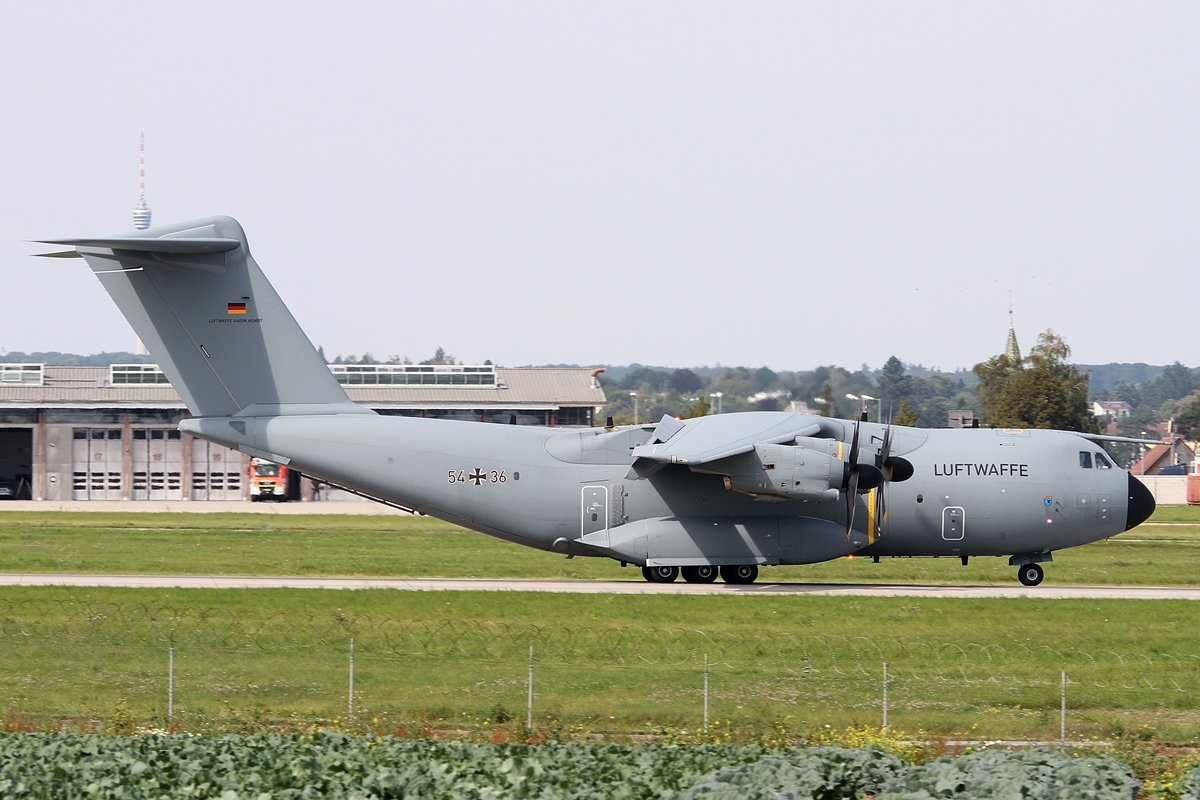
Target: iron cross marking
477,476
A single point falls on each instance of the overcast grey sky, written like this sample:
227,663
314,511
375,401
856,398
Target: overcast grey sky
688,183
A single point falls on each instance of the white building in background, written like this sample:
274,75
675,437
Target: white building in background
1111,408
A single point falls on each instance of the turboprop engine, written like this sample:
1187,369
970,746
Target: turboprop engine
809,469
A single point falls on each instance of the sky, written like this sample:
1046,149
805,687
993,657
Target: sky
694,183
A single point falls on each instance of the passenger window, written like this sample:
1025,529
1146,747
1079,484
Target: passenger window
1085,459
1102,462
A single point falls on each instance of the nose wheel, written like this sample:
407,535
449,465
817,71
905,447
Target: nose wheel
1030,574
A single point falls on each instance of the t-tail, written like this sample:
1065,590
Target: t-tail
219,330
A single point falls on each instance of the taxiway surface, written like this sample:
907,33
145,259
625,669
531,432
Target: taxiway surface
1045,592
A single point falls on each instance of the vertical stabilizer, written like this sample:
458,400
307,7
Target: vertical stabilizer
220,332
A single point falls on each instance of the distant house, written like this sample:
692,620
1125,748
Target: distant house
1111,408
1172,457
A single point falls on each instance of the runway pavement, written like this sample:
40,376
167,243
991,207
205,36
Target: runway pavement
345,505
1045,592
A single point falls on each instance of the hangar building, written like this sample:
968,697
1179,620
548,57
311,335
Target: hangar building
110,433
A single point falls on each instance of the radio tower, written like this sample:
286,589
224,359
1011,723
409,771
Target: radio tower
141,212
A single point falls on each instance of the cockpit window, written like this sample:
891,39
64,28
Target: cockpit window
1102,462
1085,459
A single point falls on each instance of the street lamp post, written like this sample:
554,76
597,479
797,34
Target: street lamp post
865,398
878,407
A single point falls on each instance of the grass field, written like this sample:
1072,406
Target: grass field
1161,554
782,668
613,665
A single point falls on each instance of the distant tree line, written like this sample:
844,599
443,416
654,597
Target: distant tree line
1043,390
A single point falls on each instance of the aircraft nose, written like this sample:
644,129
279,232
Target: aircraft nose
1141,503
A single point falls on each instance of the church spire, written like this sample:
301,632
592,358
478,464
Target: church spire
1011,351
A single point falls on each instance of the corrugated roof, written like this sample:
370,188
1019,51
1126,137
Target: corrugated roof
549,387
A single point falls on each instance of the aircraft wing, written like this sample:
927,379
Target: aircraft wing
706,439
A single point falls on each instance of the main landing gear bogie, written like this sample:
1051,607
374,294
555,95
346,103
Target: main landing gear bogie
706,573
1030,574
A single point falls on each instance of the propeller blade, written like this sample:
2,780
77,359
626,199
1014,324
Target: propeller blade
851,481
859,478
851,499
883,460
885,450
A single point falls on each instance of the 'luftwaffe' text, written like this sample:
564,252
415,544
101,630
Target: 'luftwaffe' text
980,470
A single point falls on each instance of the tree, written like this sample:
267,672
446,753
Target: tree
1187,421
894,385
905,416
1175,382
828,405
764,378
646,379
684,381
440,356
700,408
1045,391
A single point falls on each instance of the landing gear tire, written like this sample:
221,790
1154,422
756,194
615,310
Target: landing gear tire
739,573
704,574
660,574
1030,574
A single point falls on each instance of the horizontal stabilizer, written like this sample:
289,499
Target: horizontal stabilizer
172,246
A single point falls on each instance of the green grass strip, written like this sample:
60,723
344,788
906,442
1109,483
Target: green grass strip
417,547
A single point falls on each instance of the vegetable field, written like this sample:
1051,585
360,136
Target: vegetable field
335,765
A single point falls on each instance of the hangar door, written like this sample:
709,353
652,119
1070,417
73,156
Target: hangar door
96,464
157,455
216,472
16,463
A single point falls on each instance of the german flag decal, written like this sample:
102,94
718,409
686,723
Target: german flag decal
236,308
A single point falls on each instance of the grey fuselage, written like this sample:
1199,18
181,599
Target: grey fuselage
973,492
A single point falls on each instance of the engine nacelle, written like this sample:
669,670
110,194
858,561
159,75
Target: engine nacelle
803,473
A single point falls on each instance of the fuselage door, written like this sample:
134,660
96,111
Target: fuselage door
954,523
594,509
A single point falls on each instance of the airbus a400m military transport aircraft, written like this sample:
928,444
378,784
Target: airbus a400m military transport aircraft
722,494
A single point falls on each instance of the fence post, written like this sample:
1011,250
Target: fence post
1063,717
706,692
529,703
885,695
170,685
350,693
